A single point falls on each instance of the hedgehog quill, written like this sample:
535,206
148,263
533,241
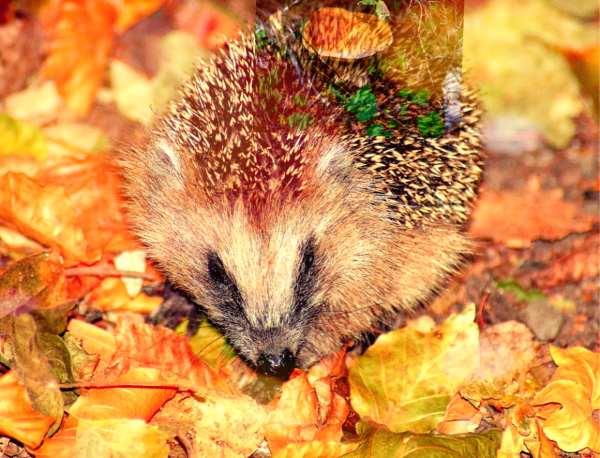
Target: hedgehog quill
295,240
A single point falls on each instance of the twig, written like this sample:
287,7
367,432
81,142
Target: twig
103,272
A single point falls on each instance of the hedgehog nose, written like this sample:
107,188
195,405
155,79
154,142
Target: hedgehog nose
278,365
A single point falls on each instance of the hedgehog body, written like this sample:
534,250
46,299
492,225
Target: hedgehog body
295,241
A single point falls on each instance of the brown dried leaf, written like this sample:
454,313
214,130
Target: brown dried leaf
338,33
582,262
81,34
40,276
517,218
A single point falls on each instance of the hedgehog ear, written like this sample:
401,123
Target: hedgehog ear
165,164
335,161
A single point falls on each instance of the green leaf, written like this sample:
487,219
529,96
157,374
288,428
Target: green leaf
420,97
363,104
209,345
377,441
301,120
404,93
511,286
431,125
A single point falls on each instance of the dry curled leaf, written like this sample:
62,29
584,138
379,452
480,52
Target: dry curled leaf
576,387
306,413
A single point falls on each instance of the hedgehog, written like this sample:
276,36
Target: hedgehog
295,241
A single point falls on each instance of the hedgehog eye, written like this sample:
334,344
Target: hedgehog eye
217,271
308,257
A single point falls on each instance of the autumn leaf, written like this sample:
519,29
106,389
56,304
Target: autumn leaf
407,378
515,219
18,419
20,138
315,449
107,438
306,413
576,387
377,441
93,189
94,340
339,33
61,444
44,214
126,402
112,294
140,345
227,426
37,280
132,11
81,35
586,66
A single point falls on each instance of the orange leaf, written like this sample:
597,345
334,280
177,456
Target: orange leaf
332,411
305,414
339,33
127,402
94,341
585,65
44,214
93,188
133,11
517,218
295,418
141,345
62,444
17,417
315,449
111,294
81,37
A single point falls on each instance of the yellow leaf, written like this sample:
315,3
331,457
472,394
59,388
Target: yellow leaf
575,386
407,378
21,139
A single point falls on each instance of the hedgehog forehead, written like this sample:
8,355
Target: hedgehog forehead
263,262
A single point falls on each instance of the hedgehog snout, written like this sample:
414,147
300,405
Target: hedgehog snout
278,363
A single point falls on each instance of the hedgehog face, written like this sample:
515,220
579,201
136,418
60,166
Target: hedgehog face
261,289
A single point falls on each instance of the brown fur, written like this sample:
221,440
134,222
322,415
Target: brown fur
212,184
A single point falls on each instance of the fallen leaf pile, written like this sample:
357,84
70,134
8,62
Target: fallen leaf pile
83,374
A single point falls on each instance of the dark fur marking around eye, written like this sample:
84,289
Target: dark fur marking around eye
225,289
307,275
